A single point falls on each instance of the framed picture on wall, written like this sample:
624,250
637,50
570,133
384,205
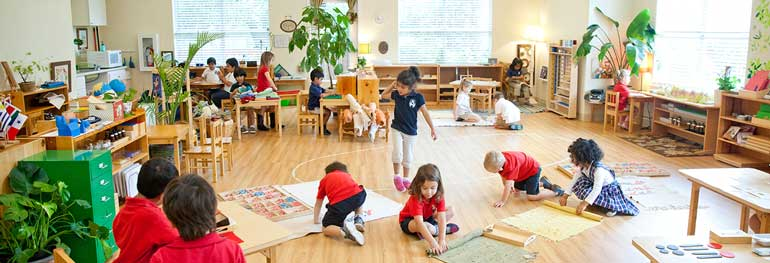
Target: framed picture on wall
60,71
147,45
544,73
82,34
167,56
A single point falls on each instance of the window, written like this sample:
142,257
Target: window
444,31
243,22
693,47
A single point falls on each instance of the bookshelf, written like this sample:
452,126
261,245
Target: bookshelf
30,105
755,151
562,95
449,73
665,108
428,87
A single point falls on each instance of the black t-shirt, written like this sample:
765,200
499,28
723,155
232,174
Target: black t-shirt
405,113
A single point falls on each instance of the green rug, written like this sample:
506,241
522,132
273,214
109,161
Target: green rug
669,146
475,248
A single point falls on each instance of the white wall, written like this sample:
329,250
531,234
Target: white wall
42,27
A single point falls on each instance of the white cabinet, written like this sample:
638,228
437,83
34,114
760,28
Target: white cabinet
89,12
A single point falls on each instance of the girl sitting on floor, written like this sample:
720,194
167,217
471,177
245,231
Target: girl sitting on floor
462,109
425,213
595,184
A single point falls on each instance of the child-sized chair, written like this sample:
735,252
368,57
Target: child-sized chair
305,117
479,97
199,157
227,142
611,110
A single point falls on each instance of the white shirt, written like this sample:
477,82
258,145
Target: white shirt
463,103
211,76
602,177
231,78
510,113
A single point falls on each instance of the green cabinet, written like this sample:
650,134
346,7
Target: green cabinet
88,174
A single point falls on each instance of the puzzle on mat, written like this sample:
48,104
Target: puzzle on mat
624,169
552,223
268,201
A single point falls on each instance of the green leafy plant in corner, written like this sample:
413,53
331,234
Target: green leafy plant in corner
173,79
640,36
38,214
324,36
727,81
361,63
27,69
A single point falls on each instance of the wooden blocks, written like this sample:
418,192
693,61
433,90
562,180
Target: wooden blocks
572,210
730,236
510,235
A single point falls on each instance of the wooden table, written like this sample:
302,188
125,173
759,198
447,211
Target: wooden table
331,103
742,185
202,86
646,245
169,134
258,233
483,86
258,104
636,100
291,82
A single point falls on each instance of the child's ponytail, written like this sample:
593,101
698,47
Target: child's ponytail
409,77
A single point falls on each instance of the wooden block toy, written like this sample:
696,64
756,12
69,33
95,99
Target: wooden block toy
730,236
572,210
510,235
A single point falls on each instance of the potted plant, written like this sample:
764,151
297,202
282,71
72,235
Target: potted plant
325,38
27,71
128,99
37,215
726,83
361,63
173,79
640,35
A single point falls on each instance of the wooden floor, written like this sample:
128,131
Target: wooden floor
265,158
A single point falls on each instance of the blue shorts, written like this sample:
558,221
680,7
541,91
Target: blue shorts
531,185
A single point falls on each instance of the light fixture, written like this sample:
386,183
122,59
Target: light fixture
646,68
364,48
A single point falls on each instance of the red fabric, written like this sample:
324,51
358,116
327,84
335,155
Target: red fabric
518,166
263,82
140,228
210,248
425,208
233,237
623,90
338,186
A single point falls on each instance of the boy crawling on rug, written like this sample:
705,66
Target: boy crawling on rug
508,115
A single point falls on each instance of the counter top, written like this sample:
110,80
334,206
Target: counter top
91,71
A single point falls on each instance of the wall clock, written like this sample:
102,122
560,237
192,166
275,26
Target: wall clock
288,25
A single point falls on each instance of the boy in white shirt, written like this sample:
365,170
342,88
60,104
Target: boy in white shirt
211,74
462,108
508,115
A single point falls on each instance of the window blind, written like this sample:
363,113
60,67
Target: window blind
444,31
245,24
693,48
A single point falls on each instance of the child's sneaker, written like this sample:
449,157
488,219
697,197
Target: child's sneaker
517,127
452,228
252,129
407,183
244,130
359,222
327,132
352,233
398,181
611,213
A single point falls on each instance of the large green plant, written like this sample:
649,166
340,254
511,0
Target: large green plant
173,78
640,37
37,215
326,37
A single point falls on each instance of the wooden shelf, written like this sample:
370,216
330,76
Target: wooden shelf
741,160
561,53
669,125
744,122
40,90
107,127
731,95
116,148
117,167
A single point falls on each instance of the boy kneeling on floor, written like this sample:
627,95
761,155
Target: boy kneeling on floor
345,196
508,115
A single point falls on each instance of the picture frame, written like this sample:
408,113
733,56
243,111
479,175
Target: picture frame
7,80
62,71
147,45
167,55
544,72
82,34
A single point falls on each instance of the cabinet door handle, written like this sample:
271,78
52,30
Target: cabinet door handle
105,198
102,166
103,182
108,216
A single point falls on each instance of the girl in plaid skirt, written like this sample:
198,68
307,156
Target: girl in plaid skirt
595,183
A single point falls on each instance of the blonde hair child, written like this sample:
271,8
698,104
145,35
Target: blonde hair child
462,108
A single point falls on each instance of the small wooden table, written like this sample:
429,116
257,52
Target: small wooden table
646,245
290,82
201,86
169,134
636,100
258,104
481,85
331,103
742,185
258,233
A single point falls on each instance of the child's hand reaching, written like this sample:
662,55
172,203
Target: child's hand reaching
500,203
437,249
582,206
433,134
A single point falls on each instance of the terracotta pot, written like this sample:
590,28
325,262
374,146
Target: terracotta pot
27,86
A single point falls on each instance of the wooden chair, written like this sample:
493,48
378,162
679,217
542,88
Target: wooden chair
227,144
305,117
60,256
480,98
199,157
611,110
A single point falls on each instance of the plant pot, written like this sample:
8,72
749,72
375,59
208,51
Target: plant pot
27,86
127,107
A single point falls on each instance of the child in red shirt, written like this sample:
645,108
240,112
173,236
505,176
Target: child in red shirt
519,171
264,82
425,213
137,239
345,196
622,87
190,204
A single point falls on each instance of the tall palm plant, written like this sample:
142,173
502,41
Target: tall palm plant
173,78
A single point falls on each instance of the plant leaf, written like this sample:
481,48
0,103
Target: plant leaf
635,53
44,187
603,50
338,69
82,203
639,28
49,208
15,213
63,192
614,22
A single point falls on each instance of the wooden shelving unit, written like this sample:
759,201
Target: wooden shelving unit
449,73
562,95
139,144
29,105
730,151
708,114
428,88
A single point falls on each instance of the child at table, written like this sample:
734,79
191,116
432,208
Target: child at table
315,93
595,184
622,87
519,171
407,103
219,94
425,214
136,239
240,89
462,108
191,205
264,82
212,74
345,196
507,115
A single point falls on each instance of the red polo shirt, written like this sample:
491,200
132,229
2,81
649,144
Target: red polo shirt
338,186
211,248
425,208
518,166
263,82
140,228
